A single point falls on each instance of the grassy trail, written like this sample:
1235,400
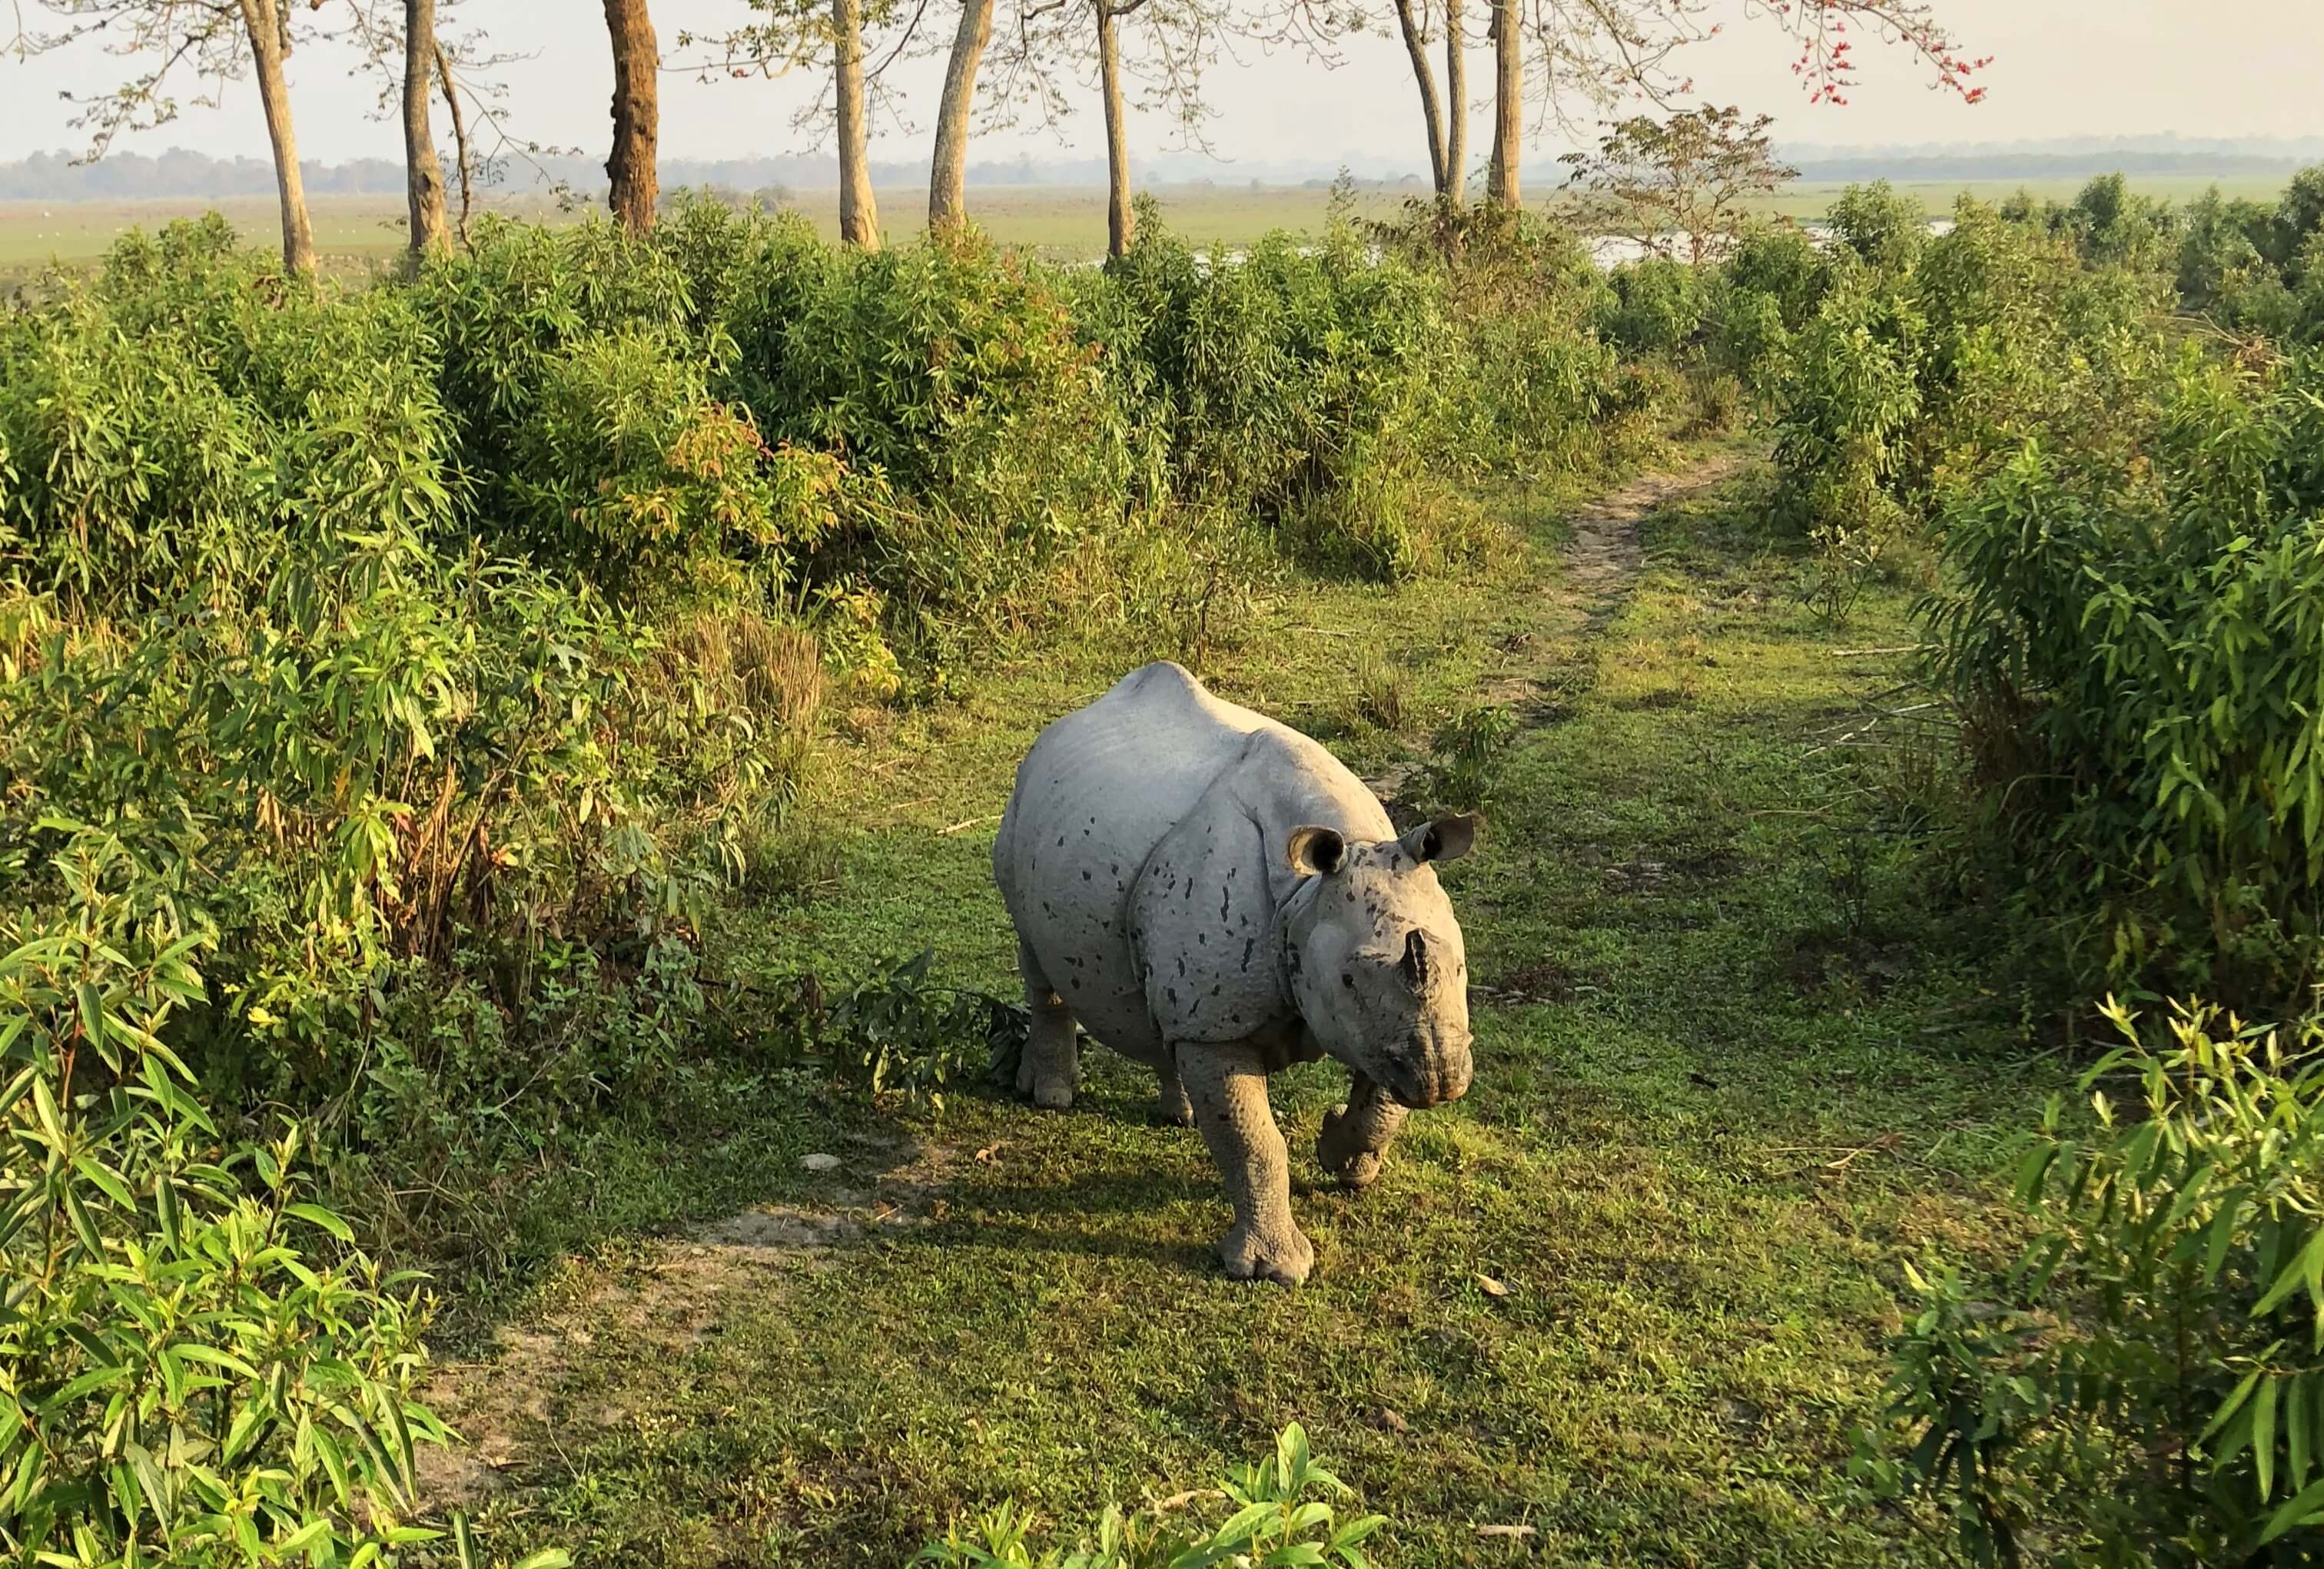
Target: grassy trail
1734,1065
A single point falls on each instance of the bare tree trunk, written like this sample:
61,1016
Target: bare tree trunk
858,213
1415,45
949,174
270,42
1508,108
1121,223
637,115
423,174
1455,183
460,137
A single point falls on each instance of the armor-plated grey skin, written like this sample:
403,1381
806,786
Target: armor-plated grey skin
1212,893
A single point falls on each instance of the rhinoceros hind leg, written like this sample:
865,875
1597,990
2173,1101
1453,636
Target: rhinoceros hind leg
1171,1103
1356,1135
1228,1087
1050,1067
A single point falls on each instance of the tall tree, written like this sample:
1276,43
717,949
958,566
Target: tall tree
461,69
1159,48
859,212
270,45
1456,107
631,168
1121,219
789,35
213,42
1680,181
949,170
1413,25
1501,179
1569,55
423,171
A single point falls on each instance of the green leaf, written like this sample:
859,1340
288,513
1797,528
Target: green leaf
2305,1267
316,1214
2299,1510
2263,1435
2295,1431
87,1383
104,1180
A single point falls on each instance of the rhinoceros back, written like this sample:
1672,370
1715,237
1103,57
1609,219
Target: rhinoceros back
1099,788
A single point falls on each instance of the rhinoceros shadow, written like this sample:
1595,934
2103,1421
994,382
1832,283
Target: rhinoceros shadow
1124,1208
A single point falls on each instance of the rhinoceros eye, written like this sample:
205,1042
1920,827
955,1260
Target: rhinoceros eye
1348,979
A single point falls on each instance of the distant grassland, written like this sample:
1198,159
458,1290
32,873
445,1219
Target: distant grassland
355,232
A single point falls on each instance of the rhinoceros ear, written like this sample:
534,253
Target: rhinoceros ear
1313,851
1445,839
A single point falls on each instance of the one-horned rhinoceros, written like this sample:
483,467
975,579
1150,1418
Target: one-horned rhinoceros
1212,893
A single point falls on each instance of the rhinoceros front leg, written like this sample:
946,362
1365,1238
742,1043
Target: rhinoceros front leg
1170,1102
1051,1064
1356,1135
1228,1087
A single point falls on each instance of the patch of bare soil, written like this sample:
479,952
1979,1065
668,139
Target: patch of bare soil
1541,678
1600,564
516,1400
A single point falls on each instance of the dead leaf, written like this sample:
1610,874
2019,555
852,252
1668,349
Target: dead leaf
1492,1287
1516,1533
1393,1420
1179,1500
990,1154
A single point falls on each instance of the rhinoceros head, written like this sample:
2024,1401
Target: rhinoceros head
1375,958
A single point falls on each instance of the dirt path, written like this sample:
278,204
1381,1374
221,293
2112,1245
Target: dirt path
1605,555
676,1295
1547,663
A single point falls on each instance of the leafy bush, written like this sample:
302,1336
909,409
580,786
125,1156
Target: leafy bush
189,1364
1280,1516
2144,1385
1843,410
1880,225
1299,385
2133,660
895,1032
626,467
1467,756
1658,306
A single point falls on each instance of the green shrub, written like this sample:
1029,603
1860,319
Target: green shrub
953,371
1280,1516
1779,261
2134,663
1468,756
2144,1385
191,1365
1658,306
134,470
1880,225
1843,408
627,469
1289,381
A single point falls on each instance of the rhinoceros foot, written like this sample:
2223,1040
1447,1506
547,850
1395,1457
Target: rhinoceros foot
1355,1136
1171,1103
1050,1086
1282,1254
1342,1154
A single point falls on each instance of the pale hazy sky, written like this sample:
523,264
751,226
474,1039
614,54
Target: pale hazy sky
2063,68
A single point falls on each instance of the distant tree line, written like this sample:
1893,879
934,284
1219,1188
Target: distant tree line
1552,60
180,173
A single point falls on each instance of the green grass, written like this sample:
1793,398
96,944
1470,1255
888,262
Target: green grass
1725,1084
353,233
